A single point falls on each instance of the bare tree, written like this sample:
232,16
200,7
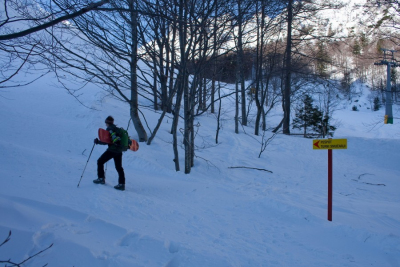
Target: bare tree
19,47
288,70
101,48
242,11
268,58
296,35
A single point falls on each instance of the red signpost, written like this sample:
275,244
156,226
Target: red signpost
330,184
330,144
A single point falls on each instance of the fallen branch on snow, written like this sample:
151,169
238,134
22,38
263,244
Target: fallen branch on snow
241,167
374,184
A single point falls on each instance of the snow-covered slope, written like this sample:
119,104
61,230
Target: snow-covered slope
215,216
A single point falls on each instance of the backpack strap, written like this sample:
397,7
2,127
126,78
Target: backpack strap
114,133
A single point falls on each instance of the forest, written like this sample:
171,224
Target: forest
177,56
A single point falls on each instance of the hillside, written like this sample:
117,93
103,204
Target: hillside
215,216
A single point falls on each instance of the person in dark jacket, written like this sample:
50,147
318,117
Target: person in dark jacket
114,151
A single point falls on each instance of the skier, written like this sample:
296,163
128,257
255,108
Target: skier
114,151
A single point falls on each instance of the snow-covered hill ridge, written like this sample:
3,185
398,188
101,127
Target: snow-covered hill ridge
349,19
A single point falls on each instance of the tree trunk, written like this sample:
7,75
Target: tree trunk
175,121
187,127
133,68
155,98
237,108
240,78
287,91
258,69
171,62
219,113
214,61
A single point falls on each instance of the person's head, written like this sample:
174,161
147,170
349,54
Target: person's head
109,120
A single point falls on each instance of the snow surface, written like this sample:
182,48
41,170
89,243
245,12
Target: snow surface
215,216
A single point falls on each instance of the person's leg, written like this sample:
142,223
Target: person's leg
101,161
118,167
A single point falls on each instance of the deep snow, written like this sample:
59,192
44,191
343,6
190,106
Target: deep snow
215,216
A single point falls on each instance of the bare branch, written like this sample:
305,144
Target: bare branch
53,22
29,258
7,239
242,167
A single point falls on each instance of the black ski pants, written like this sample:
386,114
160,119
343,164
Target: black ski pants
118,165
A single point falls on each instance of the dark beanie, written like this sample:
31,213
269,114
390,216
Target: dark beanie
109,120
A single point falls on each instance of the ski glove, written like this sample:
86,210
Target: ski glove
96,141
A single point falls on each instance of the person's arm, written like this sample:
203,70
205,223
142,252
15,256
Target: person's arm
98,142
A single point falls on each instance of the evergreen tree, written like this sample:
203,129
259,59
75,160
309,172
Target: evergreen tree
377,104
322,60
364,41
324,128
393,76
307,116
394,79
346,83
356,48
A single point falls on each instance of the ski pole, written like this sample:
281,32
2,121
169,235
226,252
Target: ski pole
128,124
86,165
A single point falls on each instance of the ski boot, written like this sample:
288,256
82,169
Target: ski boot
120,187
99,181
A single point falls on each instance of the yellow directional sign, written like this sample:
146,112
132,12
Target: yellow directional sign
330,144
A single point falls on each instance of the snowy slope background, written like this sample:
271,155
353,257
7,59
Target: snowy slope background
215,216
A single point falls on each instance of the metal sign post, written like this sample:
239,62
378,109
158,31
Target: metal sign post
330,144
330,185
